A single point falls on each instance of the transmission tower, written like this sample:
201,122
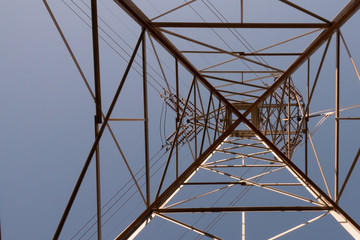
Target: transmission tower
230,96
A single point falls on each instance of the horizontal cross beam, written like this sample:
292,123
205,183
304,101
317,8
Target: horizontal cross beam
243,209
238,25
242,183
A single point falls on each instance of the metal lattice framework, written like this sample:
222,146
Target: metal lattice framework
235,120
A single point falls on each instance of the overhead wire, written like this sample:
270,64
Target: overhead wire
325,115
189,43
232,31
169,89
211,28
220,215
121,196
187,4
224,40
160,65
118,35
249,47
164,77
234,201
176,30
172,10
154,173
120,20
102,39
113,40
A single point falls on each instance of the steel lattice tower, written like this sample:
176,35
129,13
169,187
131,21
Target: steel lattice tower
236,131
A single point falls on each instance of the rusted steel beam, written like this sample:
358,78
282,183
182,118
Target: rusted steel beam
237,25
242,183
243,209
247,54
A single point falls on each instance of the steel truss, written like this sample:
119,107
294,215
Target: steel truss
227,132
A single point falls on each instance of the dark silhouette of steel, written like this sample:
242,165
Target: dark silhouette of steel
146,121
95,38
337,121
238,25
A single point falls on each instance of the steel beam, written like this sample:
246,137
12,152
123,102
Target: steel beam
178,115
305,11
306,115
337,115
243,226
243,209
249,72
348,174
237,25
188,227
246,54
96,56
98,188
146,121
242,183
